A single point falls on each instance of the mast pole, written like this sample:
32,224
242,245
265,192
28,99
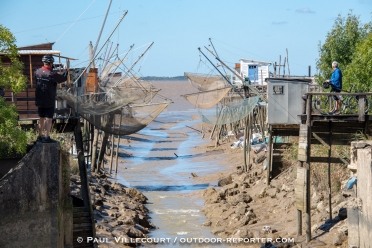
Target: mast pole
221,73
214,49
236,74
121,78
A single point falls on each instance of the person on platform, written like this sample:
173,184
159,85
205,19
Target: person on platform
336,83
46,89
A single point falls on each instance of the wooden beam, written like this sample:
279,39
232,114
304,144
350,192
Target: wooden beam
361,114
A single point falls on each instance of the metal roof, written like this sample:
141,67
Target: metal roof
41,52
256,61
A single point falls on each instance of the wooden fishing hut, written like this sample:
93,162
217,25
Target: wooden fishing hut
290,113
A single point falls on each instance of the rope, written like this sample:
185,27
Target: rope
75,21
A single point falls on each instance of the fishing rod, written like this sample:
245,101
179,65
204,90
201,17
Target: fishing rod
221,73
236,74
121,78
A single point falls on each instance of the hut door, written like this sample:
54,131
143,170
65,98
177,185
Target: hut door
253,73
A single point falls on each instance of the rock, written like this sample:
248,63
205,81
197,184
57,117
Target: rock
240,210
106,186
342,213
133,232
208,223
285,188
142,220
241,197
136,194
262,193
209,192
239,178
320,206
142,229
224,181
339,238
98,202
99,208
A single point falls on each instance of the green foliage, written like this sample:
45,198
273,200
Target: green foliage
11,76
359,71
340,44
12,138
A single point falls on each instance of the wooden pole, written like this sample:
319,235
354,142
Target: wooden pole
329,169
245,143
269,152
112,151
248,151
94,150
308,205
102,151
31,76
117,147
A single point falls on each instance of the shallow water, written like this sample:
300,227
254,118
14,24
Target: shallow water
160,164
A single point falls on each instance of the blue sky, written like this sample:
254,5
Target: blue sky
259,30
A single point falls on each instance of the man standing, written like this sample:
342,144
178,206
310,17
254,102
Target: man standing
46,89
336,84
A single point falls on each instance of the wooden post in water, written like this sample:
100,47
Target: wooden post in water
112,151
117,146
94,150
102,151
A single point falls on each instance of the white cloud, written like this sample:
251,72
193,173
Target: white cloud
305,11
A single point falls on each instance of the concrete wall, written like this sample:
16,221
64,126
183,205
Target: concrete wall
360,208
35,210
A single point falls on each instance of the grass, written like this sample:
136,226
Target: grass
319,171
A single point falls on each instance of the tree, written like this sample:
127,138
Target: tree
359,71
12,138
340,44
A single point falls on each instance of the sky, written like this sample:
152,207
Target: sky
258,30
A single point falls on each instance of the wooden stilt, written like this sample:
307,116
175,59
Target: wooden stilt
112,151
94,150
269,155
117,148
249,137
308,206
329,169
102,151
245,143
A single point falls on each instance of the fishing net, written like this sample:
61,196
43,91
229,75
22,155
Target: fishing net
207,99
205,82
229,113
102,102
128,119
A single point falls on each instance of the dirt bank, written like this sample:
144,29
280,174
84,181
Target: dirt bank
243,206
119,211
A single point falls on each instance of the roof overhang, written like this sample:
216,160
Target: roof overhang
255,61
43,52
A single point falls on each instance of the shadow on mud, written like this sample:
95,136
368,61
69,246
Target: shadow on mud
172,187
130,157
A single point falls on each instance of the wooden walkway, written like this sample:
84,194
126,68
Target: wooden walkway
315,129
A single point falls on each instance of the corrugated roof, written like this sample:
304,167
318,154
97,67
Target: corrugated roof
255,61
41,52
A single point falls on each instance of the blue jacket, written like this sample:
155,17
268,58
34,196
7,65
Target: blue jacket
336,79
